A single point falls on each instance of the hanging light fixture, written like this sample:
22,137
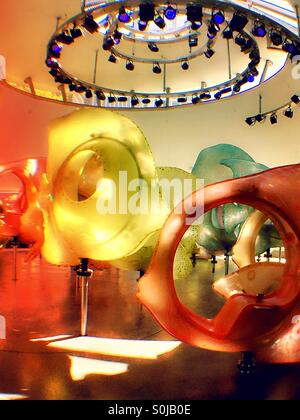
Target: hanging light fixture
170,12
124,16
156,68
90,24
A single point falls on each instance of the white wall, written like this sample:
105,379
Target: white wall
177,136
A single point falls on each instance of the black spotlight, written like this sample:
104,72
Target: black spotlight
194,13
295,99
88,94
142,25
254,71
185,65
289,113
205,96
159,102
193,41
52,63
153,47
237,88
250,121
156,69
260,118
288,46
134,101
238,22
147,12
65,38
218,18
276,37
112,58
76,32
72,87
259,29
182,100
100,95
67,81
227,33
296,54
222,92
59,79
247,47
55,50
209,53
108,43
212,30
196,25
240,40
255,57
195,99
218,96
53,72
117,35
124,16
90,24
129,66
170,12
160,22
122,98
273,119
111,99
146,101
80,89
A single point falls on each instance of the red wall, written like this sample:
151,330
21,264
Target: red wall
24,121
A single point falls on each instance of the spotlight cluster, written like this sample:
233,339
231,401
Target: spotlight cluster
236,28
287,110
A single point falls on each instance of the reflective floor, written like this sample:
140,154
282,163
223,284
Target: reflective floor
127,355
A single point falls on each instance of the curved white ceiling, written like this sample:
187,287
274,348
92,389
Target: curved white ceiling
26,28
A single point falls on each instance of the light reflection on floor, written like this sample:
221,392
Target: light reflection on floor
136,349
12,397
43,306
81,367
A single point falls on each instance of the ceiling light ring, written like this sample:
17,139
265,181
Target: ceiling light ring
287,33
164,95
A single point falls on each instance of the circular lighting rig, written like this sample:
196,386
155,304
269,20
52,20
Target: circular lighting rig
232,22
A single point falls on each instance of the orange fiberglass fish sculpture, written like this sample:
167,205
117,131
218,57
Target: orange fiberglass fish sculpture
262,322
21,214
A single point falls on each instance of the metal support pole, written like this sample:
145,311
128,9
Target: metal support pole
214,262
226,264
84,305
96,67
15,247
62,89
280,254
194,259
84,275
14,262
260,104
165,78
268,254
229,60
29,82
